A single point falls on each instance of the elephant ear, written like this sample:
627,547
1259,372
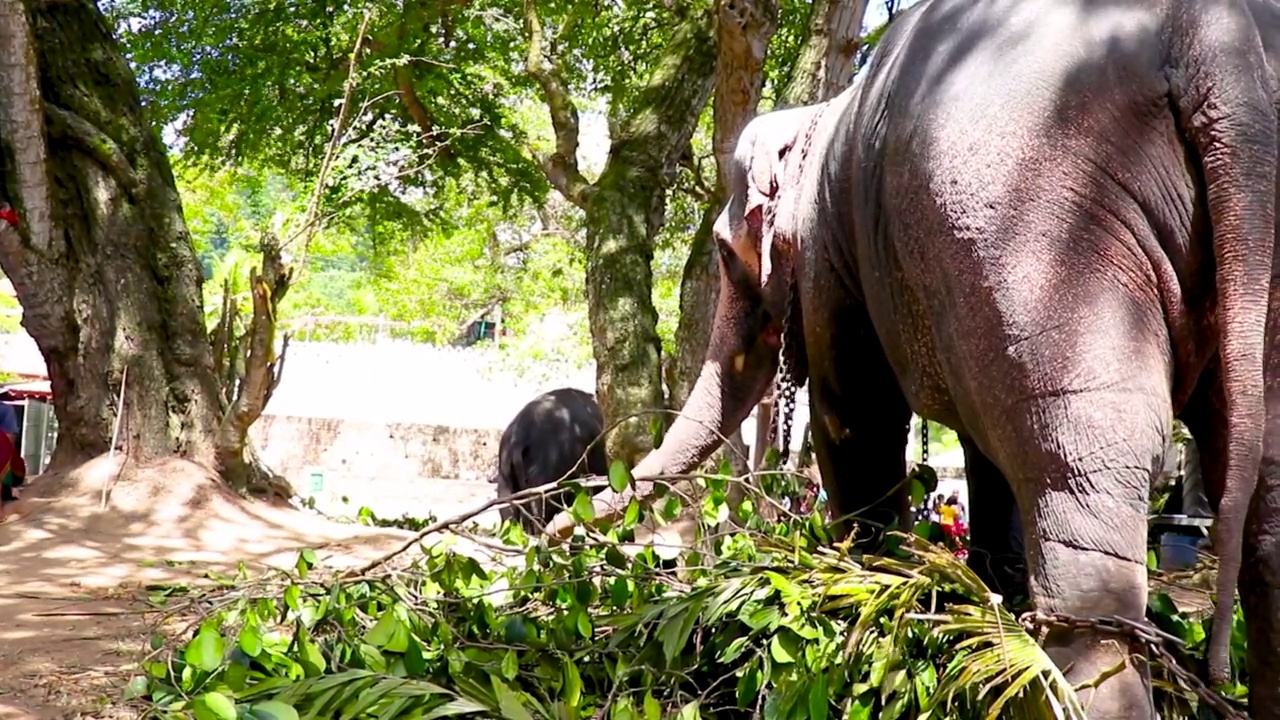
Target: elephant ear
763,190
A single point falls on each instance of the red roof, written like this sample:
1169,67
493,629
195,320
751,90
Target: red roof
38,390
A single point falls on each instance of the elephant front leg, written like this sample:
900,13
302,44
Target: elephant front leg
860,444
995,531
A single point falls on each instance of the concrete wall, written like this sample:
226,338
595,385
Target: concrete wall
297,446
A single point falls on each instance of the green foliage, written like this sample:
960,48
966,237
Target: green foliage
764,619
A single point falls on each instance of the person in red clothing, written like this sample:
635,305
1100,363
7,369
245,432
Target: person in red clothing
13,475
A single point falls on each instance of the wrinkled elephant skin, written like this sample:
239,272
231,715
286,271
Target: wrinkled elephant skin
555,436
1037,222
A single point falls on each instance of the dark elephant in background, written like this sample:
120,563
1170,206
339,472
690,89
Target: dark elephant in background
555,436
1049,225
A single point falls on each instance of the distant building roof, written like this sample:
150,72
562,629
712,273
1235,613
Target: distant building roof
38,390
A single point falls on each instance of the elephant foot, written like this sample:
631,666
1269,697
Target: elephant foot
1110,673
1112,678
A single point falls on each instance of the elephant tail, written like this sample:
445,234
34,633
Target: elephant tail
1223,93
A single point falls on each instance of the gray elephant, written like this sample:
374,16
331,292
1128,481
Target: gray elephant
1048,224
554,436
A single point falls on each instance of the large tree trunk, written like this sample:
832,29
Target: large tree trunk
743,31
825,65
102,263
823,68
625,208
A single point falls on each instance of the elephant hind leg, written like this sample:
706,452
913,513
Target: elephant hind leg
995,530
1083,489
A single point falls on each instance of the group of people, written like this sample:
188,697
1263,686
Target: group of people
950,517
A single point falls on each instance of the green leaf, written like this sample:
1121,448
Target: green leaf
652,710
309,656
414,661
306,561
510,666
690,712
619,475
714,510
273,710
819,701
508,702
632,515
778,651
250,641
214,706
620,592
749,685
671,507
138,686
291,596
583,511
572,691
388,633
584,624
206,650
860,709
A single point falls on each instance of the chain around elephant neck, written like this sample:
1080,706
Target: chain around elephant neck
785,392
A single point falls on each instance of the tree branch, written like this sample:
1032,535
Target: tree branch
262,367
417,111
98,144
560,166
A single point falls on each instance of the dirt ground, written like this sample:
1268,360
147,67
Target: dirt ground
72,576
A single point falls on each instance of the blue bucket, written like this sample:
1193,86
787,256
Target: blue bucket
1178,552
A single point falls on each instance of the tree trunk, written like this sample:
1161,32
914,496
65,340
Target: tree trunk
743,31
624,213
250,371
625,208
825,65
102,262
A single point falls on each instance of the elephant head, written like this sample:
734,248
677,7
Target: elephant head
756,237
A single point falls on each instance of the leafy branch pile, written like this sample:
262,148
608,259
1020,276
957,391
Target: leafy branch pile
762,621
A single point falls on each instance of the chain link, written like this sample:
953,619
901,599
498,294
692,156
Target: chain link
784,398
924,441
1156,641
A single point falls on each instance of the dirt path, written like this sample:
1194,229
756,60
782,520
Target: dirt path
72,577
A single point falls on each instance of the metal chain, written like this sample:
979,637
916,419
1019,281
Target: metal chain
784,403
924,441
1151,637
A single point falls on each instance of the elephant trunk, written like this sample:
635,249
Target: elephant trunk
742,358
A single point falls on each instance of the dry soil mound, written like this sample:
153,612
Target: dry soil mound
70,573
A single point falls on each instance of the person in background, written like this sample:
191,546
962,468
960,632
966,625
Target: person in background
13,470
8,420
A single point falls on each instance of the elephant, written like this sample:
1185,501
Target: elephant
555,436
1049,225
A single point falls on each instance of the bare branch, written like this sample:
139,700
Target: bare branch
560,166
307,230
